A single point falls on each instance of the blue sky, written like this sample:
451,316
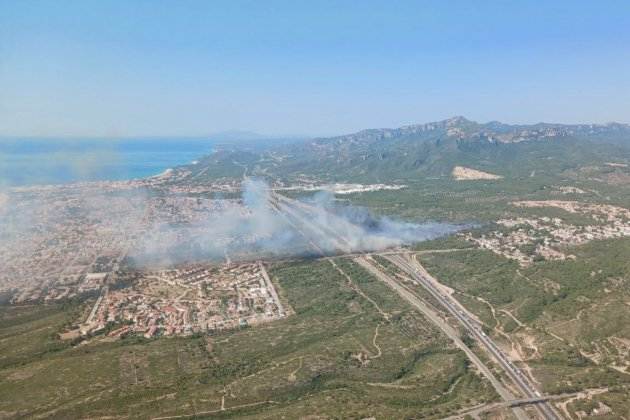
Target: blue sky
137,68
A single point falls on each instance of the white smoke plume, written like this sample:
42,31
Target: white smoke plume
233,229
253,228
4,201
359,230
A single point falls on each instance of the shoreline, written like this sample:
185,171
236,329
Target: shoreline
46,164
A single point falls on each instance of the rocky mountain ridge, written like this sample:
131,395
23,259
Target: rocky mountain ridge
461,128
428,150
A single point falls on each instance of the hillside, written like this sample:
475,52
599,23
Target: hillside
542,264
427,150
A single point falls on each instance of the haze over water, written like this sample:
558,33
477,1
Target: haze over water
52,161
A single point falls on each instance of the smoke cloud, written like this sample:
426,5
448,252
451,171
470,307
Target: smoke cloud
4,201
361,231
228,229
52,235
254,228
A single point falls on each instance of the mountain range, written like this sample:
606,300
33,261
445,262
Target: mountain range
430,150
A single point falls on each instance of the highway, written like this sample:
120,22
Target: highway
484,408
514,373
298,213
436,318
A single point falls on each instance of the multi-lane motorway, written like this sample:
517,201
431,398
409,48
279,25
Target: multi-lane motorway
299,213
438,320
513,372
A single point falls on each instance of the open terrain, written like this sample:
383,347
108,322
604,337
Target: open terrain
521,313
337,355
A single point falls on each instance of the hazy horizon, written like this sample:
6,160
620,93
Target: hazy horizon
247,135
137,69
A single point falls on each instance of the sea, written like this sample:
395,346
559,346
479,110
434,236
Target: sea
26,162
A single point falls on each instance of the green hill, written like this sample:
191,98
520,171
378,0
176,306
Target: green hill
427,150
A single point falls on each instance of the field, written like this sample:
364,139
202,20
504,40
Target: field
566,321
352,348
336,356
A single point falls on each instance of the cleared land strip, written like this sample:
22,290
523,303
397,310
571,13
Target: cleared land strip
271,288
423,278
434,317
293,220
90,317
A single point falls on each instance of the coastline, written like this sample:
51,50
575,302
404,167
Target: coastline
39,163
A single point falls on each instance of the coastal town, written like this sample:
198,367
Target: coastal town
200,298
64,241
